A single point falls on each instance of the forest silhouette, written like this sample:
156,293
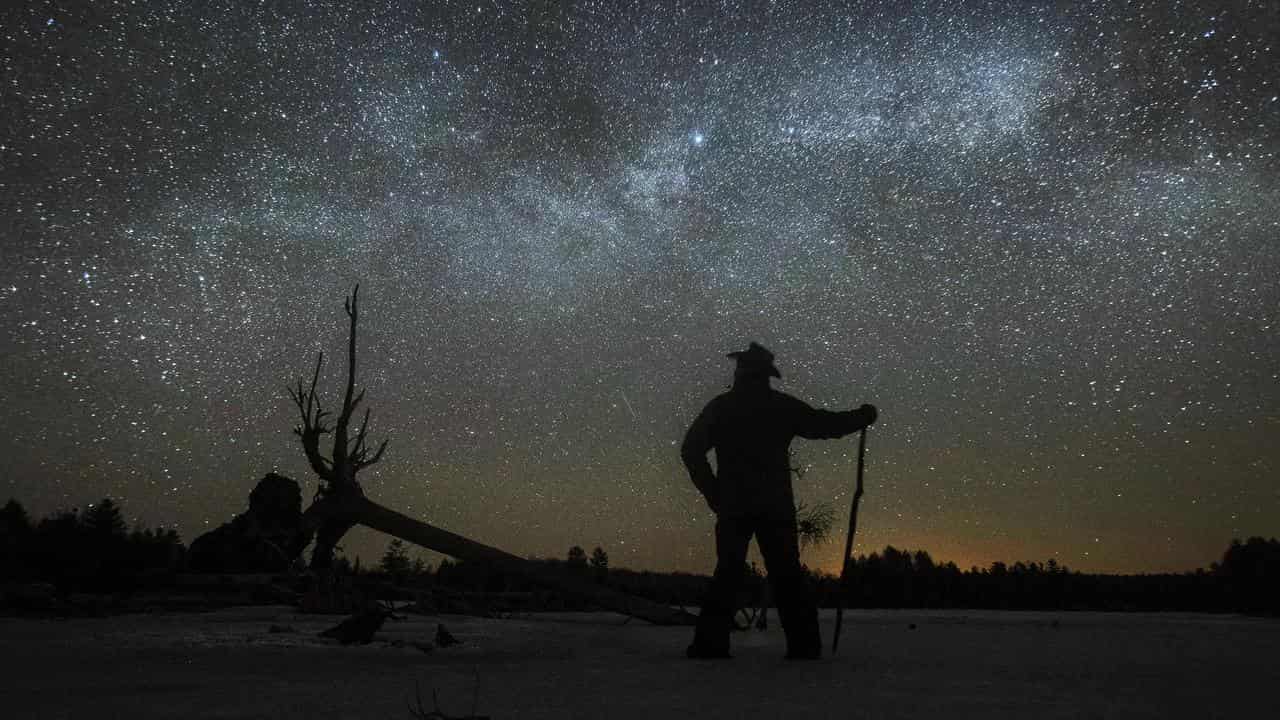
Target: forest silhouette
48,564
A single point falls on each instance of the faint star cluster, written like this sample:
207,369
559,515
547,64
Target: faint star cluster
1041,237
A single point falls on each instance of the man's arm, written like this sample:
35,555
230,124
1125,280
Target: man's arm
697,442
818,424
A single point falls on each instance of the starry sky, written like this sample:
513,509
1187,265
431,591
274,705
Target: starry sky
1040,236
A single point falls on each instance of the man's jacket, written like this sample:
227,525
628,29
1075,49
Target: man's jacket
751,429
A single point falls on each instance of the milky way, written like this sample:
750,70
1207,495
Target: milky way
1041,237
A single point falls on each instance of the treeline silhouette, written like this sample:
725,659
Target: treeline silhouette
94,550
89,550
1246,580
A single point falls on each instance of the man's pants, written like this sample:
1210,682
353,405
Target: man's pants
776,535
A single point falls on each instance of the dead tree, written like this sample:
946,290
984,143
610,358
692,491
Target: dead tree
350,454
340,502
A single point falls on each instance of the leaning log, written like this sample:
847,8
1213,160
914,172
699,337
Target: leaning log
341,503
372,515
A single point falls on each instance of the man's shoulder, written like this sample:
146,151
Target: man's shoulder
720,400
781,398
714,403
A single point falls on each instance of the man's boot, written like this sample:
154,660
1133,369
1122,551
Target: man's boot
804,651
710,637
804,641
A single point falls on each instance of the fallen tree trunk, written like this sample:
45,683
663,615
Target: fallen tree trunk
342,503
372,515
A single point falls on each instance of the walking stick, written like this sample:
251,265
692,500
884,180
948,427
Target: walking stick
848,542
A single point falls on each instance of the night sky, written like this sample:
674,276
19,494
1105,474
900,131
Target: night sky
1042,237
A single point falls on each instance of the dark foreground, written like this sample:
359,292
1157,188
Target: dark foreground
979,664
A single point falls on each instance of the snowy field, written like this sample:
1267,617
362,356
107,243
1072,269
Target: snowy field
977,664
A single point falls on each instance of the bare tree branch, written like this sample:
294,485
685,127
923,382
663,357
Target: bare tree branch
312,427
376,456
360,450
341,449
420,712
350,454
357,443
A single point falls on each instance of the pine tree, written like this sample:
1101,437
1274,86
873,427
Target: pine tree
420,567
599,564
15,534
107,536
599,560
104,521
14,519
395,561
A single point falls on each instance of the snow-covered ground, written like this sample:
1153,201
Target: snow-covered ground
979,664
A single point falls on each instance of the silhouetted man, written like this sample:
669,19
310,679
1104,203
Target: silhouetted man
751,427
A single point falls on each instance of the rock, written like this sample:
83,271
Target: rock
444,638
268,537
359,628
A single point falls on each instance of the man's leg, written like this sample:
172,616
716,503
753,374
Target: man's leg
797,610
711,638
